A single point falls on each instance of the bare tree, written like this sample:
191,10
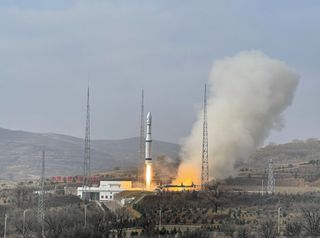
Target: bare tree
228,229
122,215
293,229
213,194
312,222
243,233
22,196
268,229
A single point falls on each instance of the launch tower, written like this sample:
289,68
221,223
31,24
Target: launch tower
87,157
271,180
142,143
204,161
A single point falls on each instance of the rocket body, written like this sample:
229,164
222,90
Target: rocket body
148,158
148,155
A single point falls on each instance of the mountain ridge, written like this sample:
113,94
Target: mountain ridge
20,153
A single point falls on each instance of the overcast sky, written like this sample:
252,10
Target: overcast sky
50,49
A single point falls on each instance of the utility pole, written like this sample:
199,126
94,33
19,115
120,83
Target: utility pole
279,219
160,221
87,153
24,221
5,225
85,215
40,214
205,162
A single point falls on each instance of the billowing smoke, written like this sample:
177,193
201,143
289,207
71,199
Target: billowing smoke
247,94
165,168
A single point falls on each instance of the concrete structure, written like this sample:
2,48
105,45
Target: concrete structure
106,190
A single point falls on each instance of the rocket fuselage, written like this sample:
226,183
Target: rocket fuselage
148,158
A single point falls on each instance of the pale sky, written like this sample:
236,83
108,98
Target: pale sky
49,49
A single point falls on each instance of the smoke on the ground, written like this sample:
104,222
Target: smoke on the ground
246,97
166,168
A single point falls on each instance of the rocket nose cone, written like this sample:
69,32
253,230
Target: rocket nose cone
149,116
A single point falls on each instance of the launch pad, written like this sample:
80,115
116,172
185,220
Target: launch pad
178,187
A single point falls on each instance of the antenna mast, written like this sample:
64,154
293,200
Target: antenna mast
87,157
40,214
142,142
204,165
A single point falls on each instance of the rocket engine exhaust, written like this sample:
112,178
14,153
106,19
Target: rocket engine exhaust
148,176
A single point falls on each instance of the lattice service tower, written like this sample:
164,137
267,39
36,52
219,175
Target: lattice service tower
40,213
142,143
204,161
271,181
87,153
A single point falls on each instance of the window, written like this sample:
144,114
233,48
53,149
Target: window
101,196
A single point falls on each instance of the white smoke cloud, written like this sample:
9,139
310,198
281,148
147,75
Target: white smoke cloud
248,93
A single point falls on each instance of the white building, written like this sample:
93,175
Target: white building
106,190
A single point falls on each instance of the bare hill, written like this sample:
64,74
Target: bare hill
295,164
289,153
20,154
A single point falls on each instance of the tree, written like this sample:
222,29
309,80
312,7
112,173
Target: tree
311,222
268,229
228,229
243,233
213,194
22,196
121,220
293,229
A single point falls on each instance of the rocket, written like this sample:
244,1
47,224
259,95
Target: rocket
148,158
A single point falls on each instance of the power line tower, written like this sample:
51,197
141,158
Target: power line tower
271,180
40,214
142,142
204,162
87,157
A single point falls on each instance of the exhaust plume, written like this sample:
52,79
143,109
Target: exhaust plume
248,94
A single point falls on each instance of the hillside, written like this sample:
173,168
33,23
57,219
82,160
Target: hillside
289,153
20,154
295,164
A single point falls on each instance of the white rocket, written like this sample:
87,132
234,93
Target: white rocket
148,158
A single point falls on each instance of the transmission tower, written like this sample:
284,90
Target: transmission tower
87,157
40,214
142,142
271,180
204,161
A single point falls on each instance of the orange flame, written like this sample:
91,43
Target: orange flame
188,173
148,176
